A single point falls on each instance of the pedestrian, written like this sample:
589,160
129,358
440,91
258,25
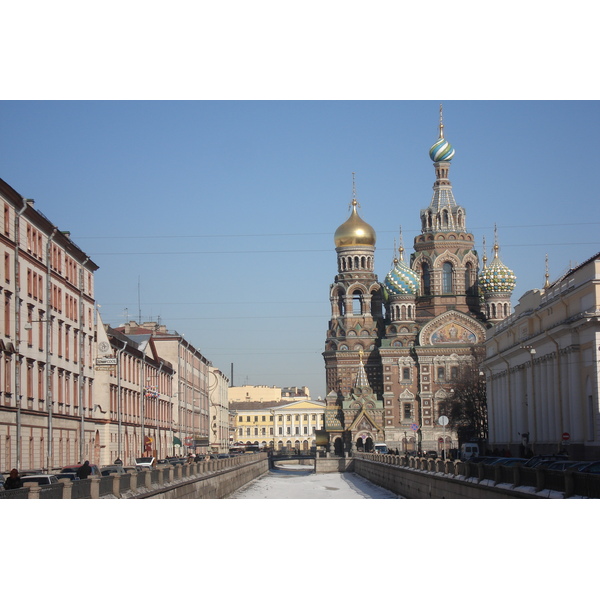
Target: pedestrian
84,470
13,481
118,461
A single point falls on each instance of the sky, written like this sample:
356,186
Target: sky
216,218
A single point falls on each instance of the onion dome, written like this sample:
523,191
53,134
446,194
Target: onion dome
355,231
442,149
496,278
401,280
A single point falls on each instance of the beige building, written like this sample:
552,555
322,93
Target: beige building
191,415
47,410
221,434
263,393
542,369
134,391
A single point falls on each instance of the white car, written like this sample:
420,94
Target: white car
39,479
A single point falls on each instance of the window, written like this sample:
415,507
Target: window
453,373
357,303
447,272
426,280
407,410
441,373
406,373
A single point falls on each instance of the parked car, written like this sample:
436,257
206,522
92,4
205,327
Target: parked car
484,459
589,467
510,461
536,460
431,454
145,462
75,468
562,465
31,472
71,476
2,480
39,479
110,469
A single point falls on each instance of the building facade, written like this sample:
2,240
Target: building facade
221,433
134,388
191,410
396,346
542,369
263,393
47,414
281,425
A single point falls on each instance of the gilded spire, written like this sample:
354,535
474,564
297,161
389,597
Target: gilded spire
547,283
401,250
484,253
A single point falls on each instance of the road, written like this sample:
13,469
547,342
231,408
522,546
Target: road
298,483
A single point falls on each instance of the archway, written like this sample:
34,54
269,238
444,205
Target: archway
369,446
338,447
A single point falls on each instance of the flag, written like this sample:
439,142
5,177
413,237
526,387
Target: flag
176,441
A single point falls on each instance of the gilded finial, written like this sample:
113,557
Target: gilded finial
354,200
496,247
441,122
401,249
547,283
484,253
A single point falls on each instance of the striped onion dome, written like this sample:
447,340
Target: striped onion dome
401,280
441,151
496,277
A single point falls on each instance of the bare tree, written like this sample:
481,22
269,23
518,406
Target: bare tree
467,405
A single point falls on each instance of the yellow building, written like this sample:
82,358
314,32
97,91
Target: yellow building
279,424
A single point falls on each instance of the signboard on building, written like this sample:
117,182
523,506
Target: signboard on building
105,361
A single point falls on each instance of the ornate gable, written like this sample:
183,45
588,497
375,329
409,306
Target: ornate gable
452,328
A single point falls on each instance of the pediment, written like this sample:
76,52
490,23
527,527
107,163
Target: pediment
452,328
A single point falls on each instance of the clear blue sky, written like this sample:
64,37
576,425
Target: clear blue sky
217,217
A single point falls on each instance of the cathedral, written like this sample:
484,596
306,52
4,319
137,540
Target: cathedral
393,348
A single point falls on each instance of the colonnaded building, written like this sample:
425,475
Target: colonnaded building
393,348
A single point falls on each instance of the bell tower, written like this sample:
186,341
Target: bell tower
444,255
356,308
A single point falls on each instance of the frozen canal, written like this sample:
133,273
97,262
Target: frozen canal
299,483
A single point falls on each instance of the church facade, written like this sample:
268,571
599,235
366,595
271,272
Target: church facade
394,347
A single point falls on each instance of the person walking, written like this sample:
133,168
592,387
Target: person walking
13,481
84,470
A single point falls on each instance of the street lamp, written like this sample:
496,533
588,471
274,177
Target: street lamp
532,354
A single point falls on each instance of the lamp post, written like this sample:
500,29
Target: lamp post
532,354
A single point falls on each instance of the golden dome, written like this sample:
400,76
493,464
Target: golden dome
354,232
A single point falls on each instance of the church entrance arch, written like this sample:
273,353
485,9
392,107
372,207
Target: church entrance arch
338,447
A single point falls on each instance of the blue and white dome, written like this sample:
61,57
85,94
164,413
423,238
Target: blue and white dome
401,280
442,150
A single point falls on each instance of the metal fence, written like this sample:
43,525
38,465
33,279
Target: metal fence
568,483
98,487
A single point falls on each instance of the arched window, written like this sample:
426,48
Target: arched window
447,272
341,305
469,290
425,279
357,303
